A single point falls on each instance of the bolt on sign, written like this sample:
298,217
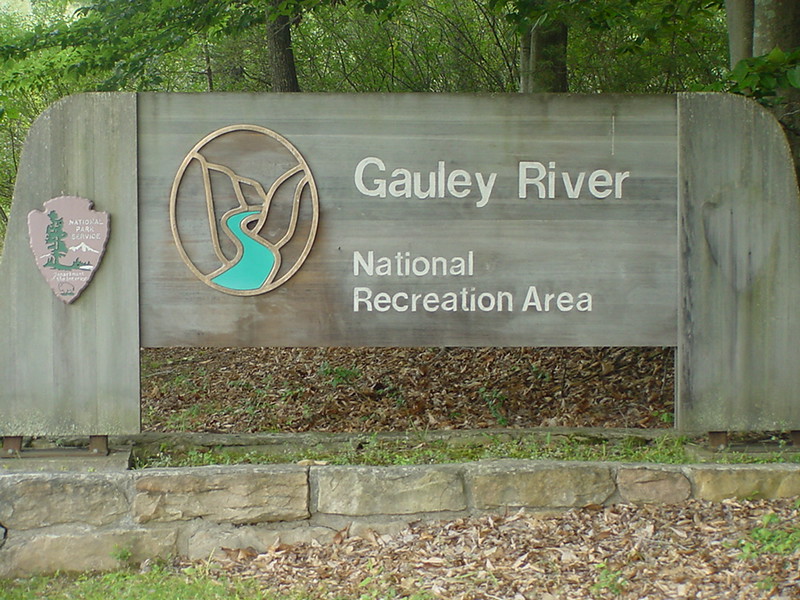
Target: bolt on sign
400,220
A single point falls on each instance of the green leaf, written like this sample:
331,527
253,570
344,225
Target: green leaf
768,83
777,56
793,76
751,81
740,71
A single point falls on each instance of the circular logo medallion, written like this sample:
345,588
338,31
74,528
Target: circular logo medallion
244,210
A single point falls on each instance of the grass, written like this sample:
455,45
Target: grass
160,582
608,580
164,583
665,449
340,376
495,400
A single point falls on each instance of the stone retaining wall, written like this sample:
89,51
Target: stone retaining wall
93,521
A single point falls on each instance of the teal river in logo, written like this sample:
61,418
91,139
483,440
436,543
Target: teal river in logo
255,262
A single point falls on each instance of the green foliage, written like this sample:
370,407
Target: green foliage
417,451
604,13
426,46
340,376
771,537
764,78
163,583
608,580
27,85
650,46
362,45
496,401
160,582
665,416
352,46
184,419
123,555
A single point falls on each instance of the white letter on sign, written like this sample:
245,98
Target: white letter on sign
380,184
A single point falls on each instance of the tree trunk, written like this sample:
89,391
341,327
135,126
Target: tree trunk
776,24
543,59
281,55
740,29
209,72
755,28
525,68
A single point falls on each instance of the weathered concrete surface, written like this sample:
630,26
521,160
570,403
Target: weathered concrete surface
75,371
522,483
387,490
739,213
235,495
55,460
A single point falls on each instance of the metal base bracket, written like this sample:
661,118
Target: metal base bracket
12,446
98,445
718,440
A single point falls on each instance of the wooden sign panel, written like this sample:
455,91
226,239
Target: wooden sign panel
408,220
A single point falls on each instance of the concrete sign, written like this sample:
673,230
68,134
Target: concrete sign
401,220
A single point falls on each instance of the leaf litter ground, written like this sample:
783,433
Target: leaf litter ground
691,550
404,389
694,550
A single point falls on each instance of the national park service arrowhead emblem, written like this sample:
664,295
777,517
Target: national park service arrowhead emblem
68,240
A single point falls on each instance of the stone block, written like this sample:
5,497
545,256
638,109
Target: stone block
35,500
532,484
363,491
87,549
643,485
237,495
717,482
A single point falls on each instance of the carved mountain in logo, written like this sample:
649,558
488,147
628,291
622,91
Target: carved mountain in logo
244,210
68,240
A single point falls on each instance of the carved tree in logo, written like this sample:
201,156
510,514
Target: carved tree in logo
68,239
244,210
